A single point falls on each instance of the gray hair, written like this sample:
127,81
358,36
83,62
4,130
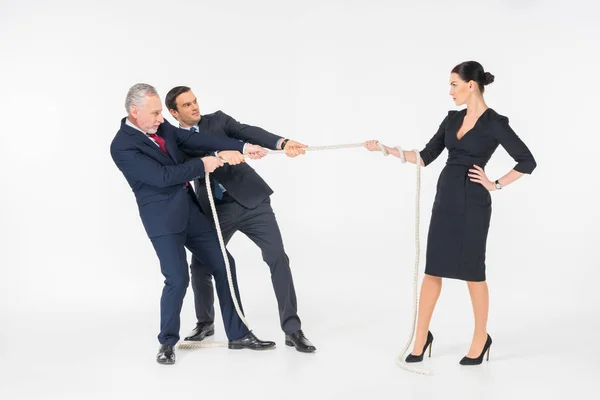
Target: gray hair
136,96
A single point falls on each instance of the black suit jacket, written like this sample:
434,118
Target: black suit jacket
242,182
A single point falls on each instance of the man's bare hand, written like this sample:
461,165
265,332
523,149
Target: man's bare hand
211,163
254,152
294,149
232,157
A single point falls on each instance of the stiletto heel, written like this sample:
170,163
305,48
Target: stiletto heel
413,359
476,361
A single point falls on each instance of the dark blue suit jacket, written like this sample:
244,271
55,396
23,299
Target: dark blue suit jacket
158,179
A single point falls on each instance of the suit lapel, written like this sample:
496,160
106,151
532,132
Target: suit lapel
170,143
152,147
172,150
146,144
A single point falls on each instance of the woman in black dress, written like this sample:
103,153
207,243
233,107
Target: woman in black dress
460,219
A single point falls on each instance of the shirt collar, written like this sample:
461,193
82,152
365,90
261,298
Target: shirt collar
131,124
187,129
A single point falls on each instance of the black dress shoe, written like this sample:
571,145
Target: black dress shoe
250,342
202,330
166,355
299,341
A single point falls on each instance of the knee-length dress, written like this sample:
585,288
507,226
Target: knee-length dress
460,220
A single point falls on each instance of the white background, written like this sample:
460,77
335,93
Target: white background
80,282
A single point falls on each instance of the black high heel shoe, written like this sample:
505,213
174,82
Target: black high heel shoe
476,361
413,359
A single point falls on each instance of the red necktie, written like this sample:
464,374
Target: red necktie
159,140
161,144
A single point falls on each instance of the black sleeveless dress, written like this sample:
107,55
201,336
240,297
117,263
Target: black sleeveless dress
456,241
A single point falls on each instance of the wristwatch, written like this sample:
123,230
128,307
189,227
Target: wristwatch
283,143
498,185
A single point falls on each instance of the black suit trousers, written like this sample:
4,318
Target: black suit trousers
260,226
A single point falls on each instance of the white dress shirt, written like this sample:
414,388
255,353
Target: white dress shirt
129,123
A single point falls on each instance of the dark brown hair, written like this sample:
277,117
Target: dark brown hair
473,71
171,97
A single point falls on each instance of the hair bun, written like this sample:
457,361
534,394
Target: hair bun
488,78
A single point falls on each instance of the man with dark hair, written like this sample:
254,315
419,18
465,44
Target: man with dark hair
242,200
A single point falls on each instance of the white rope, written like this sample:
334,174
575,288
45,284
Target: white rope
224,251
403,158
211,344
318,148
400,360
188,345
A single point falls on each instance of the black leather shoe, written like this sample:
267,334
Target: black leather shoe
250,342
202,330
299,341
166,355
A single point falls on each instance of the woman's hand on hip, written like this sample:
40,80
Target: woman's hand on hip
477,175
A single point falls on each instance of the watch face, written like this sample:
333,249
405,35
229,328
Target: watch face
498,185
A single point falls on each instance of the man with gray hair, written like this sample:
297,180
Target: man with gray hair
149,152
